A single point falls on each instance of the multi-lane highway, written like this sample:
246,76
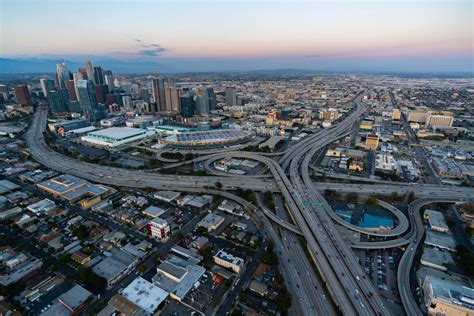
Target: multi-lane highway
420,190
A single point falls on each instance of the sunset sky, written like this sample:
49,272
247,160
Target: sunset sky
397,35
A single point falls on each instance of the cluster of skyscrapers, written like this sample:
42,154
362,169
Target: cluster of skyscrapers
168,98
93,91
83,91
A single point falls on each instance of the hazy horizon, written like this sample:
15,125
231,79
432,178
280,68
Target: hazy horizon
180,36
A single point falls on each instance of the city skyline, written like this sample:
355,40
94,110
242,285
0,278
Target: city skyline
243,35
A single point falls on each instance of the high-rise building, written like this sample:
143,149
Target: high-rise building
212,98
47,85
127,101
83,72
202,104
187,105
101,91
87,98
230,96
145,95
89,71
22,95
109,79
4,91
56,101
76,77
172,99
99,75
62,74
71,90
158,91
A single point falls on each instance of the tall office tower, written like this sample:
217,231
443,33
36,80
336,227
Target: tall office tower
47,85
145,95
56,101
99,75
188,106
158,90
22,95
75,106
211,96
127,102
230,96
89,71
4,91
83,72
172,99
62,74
76,77
87,98
109,79
170,82
71,90
101,91
202,104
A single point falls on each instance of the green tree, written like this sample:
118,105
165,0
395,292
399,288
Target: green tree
218,185
352,196
371,201
142,268
394,196
283,299
94,282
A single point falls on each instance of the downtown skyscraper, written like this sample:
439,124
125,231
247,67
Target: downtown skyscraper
62,74
158,92
87,98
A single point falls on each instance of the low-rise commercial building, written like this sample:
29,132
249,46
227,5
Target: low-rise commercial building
158,228
372,142
445,298
178,276
441,241
153,211
145,294
41,207
211,222
436,259
167,196
229,261
71,188
436,220
439,121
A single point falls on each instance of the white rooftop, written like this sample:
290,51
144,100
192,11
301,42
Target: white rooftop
144,294
117,132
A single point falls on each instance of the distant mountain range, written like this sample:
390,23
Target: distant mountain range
11,66
43,65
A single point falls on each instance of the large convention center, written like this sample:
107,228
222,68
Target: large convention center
210,138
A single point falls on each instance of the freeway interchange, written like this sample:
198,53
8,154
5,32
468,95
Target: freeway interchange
343,277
